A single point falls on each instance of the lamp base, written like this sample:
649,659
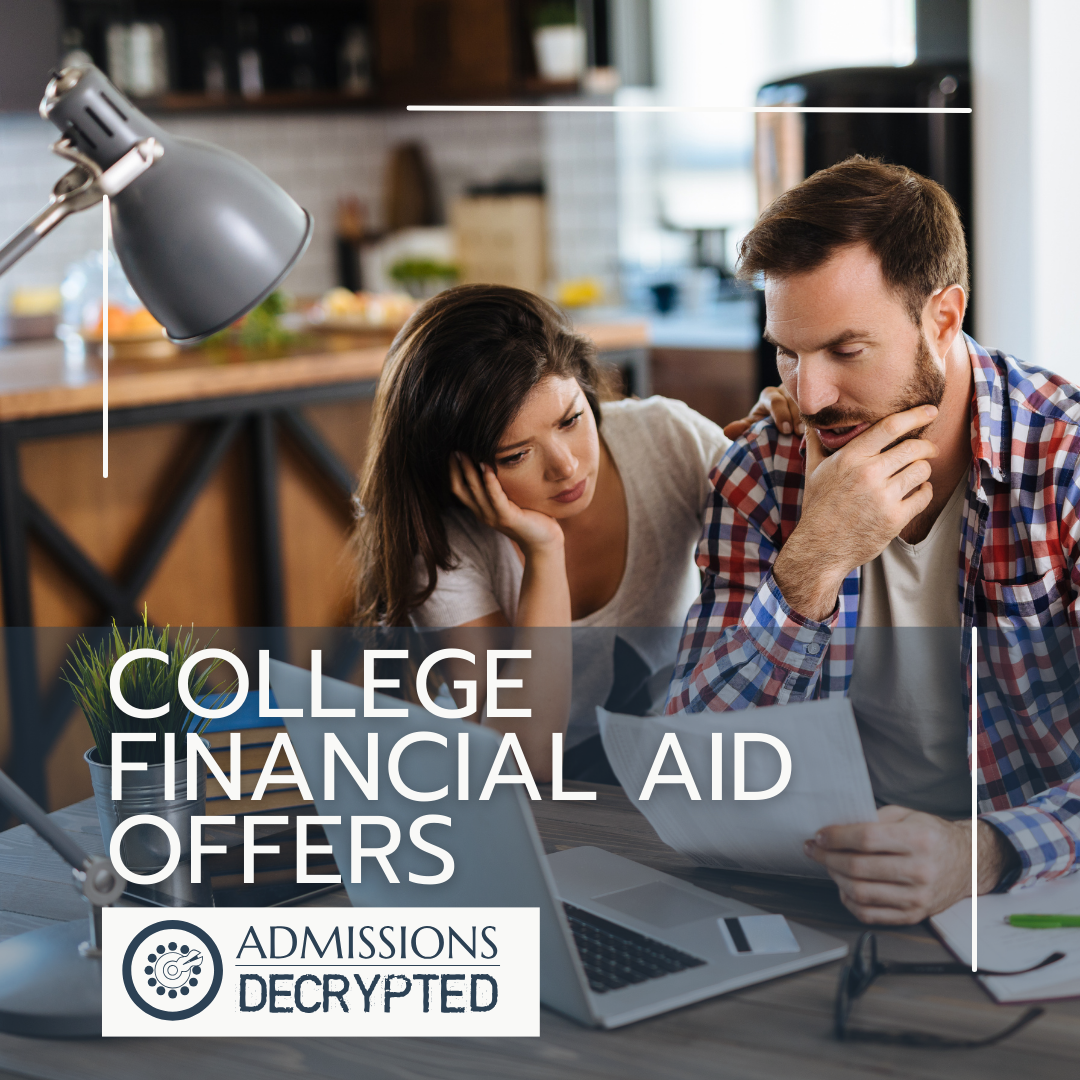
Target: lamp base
46,987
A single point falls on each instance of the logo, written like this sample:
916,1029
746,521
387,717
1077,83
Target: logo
297,972
172,970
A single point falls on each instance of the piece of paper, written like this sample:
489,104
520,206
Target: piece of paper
1009,948
829,783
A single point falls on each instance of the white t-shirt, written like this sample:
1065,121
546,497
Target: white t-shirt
664,452
907,685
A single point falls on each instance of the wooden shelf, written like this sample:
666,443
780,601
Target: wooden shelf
421,51
545,87
273,100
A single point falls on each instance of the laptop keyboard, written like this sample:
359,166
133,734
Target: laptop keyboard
615,956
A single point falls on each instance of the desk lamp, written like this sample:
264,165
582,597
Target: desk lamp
50,979
202,235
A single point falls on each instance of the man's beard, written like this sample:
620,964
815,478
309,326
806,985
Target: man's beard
927,387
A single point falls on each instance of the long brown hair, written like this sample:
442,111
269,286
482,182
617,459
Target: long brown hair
455,377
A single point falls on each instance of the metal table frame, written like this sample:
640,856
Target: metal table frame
36,718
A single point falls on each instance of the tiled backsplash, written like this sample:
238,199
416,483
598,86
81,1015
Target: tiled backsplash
27,174
582,197
319,157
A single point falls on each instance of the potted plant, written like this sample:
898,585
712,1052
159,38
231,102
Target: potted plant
559,41
146,683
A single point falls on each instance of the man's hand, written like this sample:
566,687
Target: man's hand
854,504
907,865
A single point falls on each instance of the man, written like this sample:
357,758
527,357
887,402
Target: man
935,487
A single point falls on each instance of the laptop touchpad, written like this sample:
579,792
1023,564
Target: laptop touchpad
662,905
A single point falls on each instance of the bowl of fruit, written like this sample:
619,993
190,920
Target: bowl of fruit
344,311
134,335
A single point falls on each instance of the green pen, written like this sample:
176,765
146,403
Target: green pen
1043,922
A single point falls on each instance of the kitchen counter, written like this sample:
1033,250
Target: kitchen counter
728,325
36,381
706,356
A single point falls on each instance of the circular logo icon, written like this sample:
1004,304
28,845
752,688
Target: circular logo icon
172,970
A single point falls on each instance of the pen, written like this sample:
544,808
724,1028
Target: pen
1043,922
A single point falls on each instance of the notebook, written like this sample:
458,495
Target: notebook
1006,948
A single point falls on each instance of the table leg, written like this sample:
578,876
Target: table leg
26,764
266,520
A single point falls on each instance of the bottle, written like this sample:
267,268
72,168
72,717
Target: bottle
300,45
249,60
215,81
354,62
148,66
118,55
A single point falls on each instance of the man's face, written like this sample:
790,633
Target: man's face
847,349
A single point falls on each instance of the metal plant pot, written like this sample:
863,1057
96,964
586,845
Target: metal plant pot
145,848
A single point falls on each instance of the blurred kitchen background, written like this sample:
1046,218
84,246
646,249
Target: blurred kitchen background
637,213
628,215
634,214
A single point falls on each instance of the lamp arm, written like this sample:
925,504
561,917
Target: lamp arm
95,876
77,190
32,233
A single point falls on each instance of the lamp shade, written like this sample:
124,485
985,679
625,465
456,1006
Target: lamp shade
203,236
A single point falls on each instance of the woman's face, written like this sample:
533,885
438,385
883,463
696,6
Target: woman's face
549,456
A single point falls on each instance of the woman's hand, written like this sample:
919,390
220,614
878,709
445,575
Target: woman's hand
543,603
480,491
776,402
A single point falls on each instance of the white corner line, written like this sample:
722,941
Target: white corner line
974,801
902,109
105,233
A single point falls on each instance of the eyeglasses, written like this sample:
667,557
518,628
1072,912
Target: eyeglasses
865,967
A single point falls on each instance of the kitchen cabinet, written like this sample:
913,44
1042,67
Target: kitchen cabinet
437,48
719,383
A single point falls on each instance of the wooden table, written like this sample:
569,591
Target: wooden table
777,1029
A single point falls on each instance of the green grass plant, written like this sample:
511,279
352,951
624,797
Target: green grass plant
146,683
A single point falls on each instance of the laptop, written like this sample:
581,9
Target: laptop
619,942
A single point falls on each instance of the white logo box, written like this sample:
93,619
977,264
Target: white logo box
321,971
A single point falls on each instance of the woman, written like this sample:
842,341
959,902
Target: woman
500,496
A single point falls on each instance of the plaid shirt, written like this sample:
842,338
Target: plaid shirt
1018,576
